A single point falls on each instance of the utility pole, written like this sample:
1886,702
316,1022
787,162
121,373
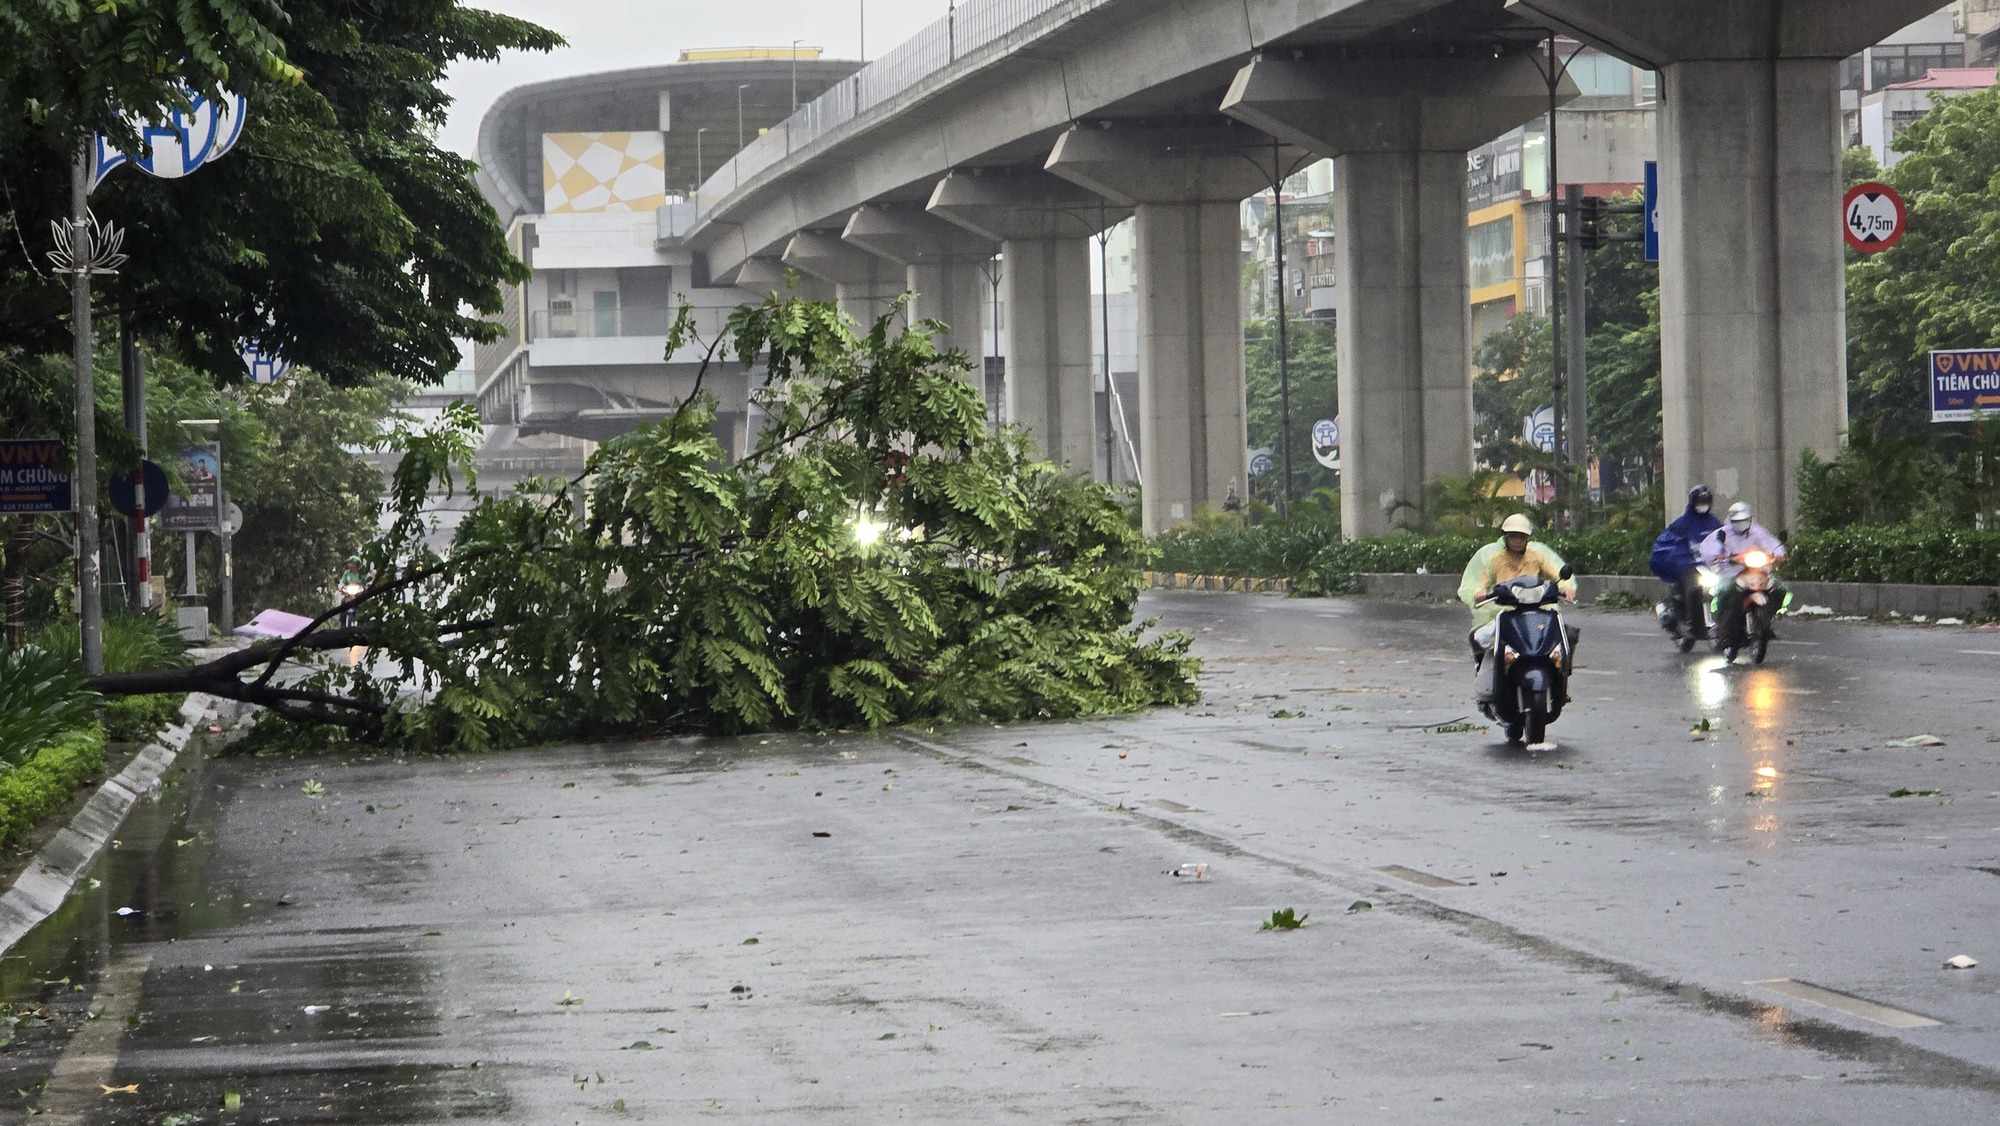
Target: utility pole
89,566
1284,341
132,367
795,74
1556,389
1573,370
740,87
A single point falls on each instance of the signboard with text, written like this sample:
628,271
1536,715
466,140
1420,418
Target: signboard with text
199,508
1965,383
30,480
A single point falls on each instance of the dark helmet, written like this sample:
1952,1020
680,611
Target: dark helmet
1700,494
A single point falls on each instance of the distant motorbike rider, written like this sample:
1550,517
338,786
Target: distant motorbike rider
1724,550
1675,558
1515,555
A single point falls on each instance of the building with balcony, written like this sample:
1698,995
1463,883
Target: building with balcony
586,172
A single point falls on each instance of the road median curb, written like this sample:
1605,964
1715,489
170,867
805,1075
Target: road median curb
41,888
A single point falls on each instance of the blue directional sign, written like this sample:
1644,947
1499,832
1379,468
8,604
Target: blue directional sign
29,478
1652,211
1965,384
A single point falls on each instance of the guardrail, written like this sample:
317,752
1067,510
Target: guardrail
968,28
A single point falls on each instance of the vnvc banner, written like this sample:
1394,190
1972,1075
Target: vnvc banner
29,478
1965,382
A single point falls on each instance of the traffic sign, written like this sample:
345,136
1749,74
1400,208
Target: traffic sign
1539,429
122,491
1874,217
1326,442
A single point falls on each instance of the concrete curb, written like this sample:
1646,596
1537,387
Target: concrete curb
1178,580
56,870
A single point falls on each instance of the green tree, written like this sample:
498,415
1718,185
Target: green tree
881,557
1315,395
337,233
1939,287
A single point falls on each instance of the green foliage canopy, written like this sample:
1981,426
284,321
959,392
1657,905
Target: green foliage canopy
881,557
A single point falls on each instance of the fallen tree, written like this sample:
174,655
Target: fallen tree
880,557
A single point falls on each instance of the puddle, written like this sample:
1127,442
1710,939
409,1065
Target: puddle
201,997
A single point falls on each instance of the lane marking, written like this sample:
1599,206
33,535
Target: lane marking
1172,806
1846,1003
1982,652
90,1060
1421,879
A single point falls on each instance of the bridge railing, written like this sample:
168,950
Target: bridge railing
969,28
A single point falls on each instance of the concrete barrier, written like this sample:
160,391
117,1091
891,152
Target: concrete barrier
1180,580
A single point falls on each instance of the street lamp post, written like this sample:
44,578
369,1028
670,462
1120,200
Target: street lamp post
795,74
699,178
84,481
740,87
863,6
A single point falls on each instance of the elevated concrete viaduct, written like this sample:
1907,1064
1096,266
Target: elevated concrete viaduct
1033,122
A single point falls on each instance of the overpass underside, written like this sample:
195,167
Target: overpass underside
1039,133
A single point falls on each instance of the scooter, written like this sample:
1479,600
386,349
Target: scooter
1685,614
1536,653
1758,603
348,592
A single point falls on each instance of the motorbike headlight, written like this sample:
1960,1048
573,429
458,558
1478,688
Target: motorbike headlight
1757,559
1709,580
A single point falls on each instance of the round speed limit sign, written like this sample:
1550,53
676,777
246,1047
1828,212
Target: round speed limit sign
1874,217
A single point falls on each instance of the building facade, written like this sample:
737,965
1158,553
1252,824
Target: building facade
589,174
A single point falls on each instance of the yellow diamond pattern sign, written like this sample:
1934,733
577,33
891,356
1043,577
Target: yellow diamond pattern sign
603,172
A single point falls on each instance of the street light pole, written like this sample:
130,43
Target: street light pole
83,481
698,169
740,87
795,74
863,6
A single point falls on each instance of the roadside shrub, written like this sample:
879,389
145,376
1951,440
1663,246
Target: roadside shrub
47,780
1228,546
131,642
1938,556
42,695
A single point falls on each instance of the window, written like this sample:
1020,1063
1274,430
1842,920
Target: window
604,313
1490,250
1910,61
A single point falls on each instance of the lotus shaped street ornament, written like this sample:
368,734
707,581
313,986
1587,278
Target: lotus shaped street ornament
87,247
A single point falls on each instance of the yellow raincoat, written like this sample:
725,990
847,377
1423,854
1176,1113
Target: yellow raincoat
1489,568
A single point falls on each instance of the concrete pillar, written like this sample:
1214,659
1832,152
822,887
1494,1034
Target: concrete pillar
1753,317
1042,224
1398,132
1187,187
946,266
1046,283
865,285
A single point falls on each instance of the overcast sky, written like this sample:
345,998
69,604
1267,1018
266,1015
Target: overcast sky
612,34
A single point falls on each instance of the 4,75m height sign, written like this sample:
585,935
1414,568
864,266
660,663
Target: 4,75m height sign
1873,217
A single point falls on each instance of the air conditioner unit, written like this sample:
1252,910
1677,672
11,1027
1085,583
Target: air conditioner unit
562,316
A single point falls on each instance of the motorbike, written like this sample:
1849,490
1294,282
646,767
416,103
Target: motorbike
348,592
1536,653
1685,614
1747,623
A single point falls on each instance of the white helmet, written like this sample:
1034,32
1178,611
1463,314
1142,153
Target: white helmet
1518,523
1739,517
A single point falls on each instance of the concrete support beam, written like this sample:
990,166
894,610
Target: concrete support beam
1043,222
1398,131
1046,284
865,284
769,275
1186,186
948,267
1753,317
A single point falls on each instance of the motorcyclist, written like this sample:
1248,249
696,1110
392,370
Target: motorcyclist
1515,555
354,573
1724,550
1674,559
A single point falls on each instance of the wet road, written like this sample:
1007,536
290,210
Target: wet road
978,925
